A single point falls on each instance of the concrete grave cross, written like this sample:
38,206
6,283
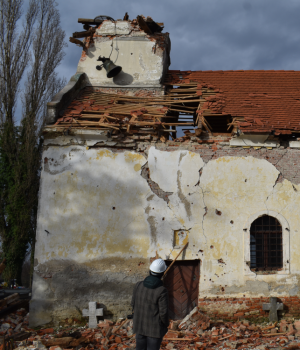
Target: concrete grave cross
92,313
273,307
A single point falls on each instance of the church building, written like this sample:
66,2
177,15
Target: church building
140,161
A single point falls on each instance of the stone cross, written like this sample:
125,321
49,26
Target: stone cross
92,313
273,307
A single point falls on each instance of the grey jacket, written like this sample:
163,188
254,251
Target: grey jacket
150,311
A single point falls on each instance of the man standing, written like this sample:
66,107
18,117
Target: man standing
150,306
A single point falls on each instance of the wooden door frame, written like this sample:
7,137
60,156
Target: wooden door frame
196,263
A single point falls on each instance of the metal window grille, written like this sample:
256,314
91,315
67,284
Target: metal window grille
265,244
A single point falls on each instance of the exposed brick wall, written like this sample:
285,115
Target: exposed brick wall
234,308
285,159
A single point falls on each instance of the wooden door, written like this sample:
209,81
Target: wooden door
182,282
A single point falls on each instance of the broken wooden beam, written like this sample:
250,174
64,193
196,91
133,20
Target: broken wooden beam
77,42
10,299
62,342
94,20
153,26
84,34
89,21
14,306
143,25
16,337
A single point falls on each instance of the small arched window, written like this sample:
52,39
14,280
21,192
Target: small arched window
266,244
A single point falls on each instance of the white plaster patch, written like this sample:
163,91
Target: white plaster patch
294,144
128,54
85,137
166,167
252,141
113,28
189,167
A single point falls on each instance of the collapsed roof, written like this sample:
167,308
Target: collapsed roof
257,101
204,102
252,101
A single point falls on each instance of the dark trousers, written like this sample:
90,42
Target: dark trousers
147,343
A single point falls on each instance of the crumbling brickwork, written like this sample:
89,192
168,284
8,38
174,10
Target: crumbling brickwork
285,159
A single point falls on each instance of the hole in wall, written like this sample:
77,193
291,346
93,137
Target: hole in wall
181,237
219,124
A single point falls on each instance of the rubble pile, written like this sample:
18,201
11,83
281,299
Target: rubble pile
108,335
143,116
14,323
196,331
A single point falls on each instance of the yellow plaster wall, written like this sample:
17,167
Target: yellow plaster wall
95,204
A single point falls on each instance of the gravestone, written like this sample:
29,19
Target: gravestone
92,314
273,307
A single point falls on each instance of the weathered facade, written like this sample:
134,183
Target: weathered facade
113,196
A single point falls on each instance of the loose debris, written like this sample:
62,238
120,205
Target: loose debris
144,114
11,303
196,331
141,23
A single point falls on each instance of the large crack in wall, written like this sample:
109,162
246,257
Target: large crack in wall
145,173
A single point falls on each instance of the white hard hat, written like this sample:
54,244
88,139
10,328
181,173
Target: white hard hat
158,266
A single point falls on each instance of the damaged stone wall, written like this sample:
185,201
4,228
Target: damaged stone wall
104,212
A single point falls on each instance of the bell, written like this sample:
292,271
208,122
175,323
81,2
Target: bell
111,69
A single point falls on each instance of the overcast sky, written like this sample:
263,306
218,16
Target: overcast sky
205,34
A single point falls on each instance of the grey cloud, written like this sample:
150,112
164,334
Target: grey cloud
205,35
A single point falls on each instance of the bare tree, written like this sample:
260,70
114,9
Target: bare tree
14,52
37,47
42,81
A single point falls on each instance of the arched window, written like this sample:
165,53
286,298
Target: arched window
266,244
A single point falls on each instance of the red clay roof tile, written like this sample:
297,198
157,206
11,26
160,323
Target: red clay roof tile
270,98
